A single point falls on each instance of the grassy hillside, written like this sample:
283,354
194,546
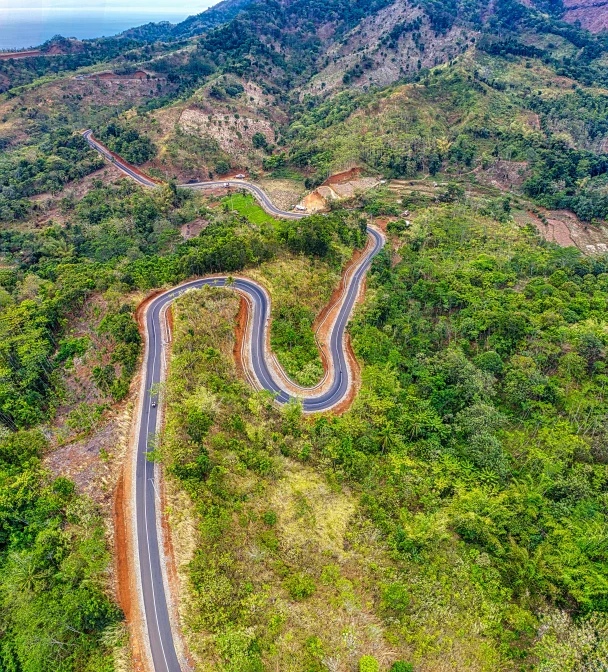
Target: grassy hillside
463,118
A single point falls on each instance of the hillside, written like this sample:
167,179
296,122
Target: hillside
452,512
590,14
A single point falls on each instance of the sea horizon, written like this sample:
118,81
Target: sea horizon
21,30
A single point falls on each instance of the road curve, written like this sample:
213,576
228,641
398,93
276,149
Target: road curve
149,552
145,181
162,646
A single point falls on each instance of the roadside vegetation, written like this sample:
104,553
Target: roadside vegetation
455,512
55,611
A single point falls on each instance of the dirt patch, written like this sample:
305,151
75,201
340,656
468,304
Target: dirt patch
90,462
284,193
559,233
505,175
382,222
233,134
564,228
315,201
343,178
193,229
338,187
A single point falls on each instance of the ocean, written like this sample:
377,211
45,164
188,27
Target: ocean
20,30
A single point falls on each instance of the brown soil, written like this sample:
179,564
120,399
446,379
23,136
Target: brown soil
564,228
192,229
20,54
342,178
314,202
340,186
240,330
382,223
140,311
122,552
559,233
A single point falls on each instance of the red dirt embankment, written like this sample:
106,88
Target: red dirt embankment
322,327
121,162
5,56
342,178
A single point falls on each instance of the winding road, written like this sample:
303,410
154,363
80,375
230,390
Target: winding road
145,181
149,560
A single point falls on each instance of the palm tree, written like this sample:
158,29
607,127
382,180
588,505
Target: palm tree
388,437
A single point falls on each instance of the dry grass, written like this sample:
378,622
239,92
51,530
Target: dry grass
310,512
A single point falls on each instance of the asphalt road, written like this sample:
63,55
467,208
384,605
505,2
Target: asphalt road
123,165
259,194
162,645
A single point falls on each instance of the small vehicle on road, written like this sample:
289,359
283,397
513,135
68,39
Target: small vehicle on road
227,184
300,208
153,404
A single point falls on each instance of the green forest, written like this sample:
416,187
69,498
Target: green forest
475,449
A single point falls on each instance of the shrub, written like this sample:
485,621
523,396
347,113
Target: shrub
222,167
400,666
72,347
269,517
368,664
300,586
259,141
